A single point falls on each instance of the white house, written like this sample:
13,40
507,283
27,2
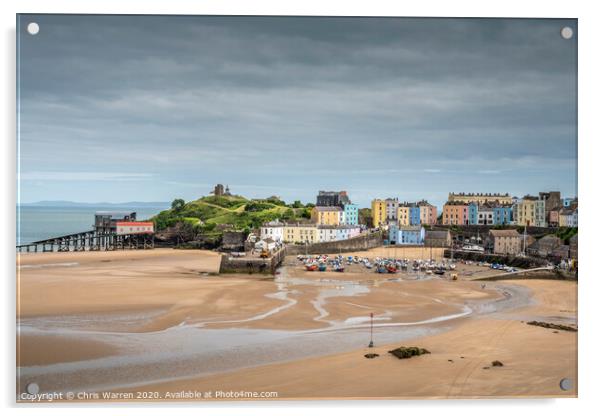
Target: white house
273,230
327,233
267,244
485,215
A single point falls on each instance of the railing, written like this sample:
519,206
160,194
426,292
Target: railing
90,241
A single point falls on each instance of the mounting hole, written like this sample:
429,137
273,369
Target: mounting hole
566,384
33,28
32,388
566,32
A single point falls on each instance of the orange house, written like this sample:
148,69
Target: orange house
455,213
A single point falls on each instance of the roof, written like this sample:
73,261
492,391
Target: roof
134,223
504,233
115,213
301,224
478,194
437,234
335,208
566,211
410,228
273,224
337,227
531,198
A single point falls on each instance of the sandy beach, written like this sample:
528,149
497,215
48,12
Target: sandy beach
163,321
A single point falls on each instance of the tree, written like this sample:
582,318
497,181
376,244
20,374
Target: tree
178,204
297,204
289,214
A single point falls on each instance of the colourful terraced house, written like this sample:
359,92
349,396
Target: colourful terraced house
350,214
428,213
331,215
379,212
455,213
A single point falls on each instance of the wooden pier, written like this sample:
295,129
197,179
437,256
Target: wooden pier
91,241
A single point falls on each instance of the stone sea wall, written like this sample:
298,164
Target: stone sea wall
363,242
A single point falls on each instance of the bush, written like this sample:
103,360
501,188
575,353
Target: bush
224,201
289,214
258,206
178,204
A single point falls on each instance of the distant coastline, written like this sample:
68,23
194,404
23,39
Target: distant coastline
95,204
45,219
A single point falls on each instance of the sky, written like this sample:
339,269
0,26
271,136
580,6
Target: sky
152,108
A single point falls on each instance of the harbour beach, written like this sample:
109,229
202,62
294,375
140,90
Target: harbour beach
163,320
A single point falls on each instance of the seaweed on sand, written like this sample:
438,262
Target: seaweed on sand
408,352
552,326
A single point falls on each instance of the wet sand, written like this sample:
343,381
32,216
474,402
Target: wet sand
160,319
49,349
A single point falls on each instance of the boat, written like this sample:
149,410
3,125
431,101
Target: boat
439,271
391,269
339,268
322,267
473,248
311,267
381,269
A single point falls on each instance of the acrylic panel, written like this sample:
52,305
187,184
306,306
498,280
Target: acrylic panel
279,208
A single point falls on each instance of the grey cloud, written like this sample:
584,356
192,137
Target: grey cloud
306,100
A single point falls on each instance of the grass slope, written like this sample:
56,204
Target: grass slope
207,212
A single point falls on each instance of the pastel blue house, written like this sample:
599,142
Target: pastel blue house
351,213
406,235
414,215
393,233
566,202
473,214
342,233
502,215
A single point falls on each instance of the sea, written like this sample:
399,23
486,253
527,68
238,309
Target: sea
35,222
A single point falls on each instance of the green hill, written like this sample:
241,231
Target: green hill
205,213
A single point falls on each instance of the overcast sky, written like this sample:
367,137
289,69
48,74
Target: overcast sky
141,108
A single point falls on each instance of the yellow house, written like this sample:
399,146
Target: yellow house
327,215
530,211
379,212
301,233
403,216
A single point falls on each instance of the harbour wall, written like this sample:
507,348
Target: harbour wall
483,230
514,261
251,265
363,242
